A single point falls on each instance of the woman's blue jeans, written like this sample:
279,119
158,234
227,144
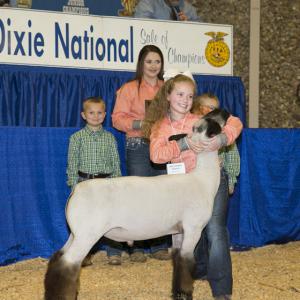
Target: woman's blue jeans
139,164
212,253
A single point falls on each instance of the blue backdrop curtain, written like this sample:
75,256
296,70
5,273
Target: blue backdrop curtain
52,97
33,192
268,206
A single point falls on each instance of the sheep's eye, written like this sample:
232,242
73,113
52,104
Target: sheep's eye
200,129
195,129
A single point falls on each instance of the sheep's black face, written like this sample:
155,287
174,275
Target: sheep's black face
218,115
212,123
213,128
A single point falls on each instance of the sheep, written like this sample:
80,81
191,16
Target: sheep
132,208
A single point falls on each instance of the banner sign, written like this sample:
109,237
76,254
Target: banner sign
55,39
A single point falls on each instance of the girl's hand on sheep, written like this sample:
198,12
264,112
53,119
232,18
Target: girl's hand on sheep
216,142
197,147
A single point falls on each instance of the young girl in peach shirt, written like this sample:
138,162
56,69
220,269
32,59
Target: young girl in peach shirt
169,115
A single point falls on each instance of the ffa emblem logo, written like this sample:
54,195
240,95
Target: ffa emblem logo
217,52
129,6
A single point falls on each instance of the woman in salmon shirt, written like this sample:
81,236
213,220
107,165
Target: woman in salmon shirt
169,115
128,115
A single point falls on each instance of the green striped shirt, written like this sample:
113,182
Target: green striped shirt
230,159
92,152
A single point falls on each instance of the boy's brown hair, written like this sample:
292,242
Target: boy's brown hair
97,100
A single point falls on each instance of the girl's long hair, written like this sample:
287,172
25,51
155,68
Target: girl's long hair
159,106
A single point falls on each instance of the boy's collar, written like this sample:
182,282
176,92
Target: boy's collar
88,128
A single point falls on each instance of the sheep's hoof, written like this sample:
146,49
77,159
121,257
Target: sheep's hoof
182,296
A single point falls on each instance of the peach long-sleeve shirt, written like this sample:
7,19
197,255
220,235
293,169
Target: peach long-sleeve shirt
130,105
162,150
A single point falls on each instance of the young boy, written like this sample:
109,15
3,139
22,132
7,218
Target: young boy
229,156
93,153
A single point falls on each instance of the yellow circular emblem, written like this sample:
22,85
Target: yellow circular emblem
217,52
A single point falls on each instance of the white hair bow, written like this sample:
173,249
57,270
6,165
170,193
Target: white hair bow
173,72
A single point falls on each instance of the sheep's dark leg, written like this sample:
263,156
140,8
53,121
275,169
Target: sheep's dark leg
182,285
62,279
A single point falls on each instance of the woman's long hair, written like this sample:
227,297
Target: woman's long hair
140,64
159,106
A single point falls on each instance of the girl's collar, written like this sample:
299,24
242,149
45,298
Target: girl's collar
175,120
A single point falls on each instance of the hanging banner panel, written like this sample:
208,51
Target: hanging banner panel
85,7
54,39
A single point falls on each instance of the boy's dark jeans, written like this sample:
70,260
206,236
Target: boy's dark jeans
212,253
139,164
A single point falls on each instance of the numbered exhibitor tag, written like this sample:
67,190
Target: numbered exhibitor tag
177,168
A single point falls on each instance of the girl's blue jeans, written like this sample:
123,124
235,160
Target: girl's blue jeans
212,253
